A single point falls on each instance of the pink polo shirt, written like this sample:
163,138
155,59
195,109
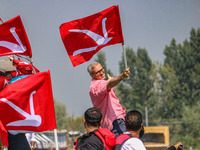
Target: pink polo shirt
107,102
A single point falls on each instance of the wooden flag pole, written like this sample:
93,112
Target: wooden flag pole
124,54
56,138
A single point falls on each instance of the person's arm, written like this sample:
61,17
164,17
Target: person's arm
32,141
32,145
112,82
174,147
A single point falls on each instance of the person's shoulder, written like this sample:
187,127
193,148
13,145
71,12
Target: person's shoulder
107,136
134,143
89,141
98,83
94,141
89,138
136,140
105,131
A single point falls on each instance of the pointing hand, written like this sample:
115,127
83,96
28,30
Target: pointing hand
109,77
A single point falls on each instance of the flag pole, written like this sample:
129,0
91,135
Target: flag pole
31,60
56,138
124,54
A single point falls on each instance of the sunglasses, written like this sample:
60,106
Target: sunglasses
102,70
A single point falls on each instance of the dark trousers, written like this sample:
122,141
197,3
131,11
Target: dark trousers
118,127
18,142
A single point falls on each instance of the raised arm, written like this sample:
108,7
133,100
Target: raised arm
113,81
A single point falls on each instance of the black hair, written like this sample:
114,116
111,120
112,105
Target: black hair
93,116
133,120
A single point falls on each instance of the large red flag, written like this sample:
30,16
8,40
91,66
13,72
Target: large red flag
13,38
86,36
27,104
3,135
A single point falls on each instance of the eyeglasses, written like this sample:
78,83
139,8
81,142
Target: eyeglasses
98,72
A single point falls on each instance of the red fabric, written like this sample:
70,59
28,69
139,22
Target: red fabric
74,41
75,147
16,73
1,21
107,137
8,40
24,67
3,134
122,138
18,94
3,81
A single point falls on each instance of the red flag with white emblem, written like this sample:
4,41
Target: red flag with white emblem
27,104
84,37
3,135
13,38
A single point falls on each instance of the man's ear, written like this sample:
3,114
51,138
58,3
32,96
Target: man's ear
84,121
141,125
101,122
92,75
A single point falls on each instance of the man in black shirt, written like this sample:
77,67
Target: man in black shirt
95,137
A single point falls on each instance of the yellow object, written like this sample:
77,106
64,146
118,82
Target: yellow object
156,137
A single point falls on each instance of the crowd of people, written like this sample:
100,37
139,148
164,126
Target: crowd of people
107,124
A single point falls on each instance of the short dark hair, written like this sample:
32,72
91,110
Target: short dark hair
133,120
93,116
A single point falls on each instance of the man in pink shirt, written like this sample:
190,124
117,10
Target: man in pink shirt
103,97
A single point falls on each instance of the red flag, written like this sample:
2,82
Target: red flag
86,36
13,38
1,21
27,104
3,134
24,67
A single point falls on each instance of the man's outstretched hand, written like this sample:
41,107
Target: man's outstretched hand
126,73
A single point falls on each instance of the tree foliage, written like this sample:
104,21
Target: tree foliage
135,91
180,88
170,91
64,121
61,115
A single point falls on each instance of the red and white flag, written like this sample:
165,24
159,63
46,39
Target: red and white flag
13,38
3,135
86,36
27,104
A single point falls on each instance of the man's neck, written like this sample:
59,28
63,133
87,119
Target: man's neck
91,129
134,133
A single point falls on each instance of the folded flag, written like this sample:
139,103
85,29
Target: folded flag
13,38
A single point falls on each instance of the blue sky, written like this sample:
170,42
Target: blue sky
145,24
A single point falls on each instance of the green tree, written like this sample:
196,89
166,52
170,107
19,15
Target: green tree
170,97
135,91
61,115
75,124
185,61
64,121
180,89
186,130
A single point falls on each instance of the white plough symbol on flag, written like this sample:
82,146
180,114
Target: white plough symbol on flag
12,46
30,120
100,40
